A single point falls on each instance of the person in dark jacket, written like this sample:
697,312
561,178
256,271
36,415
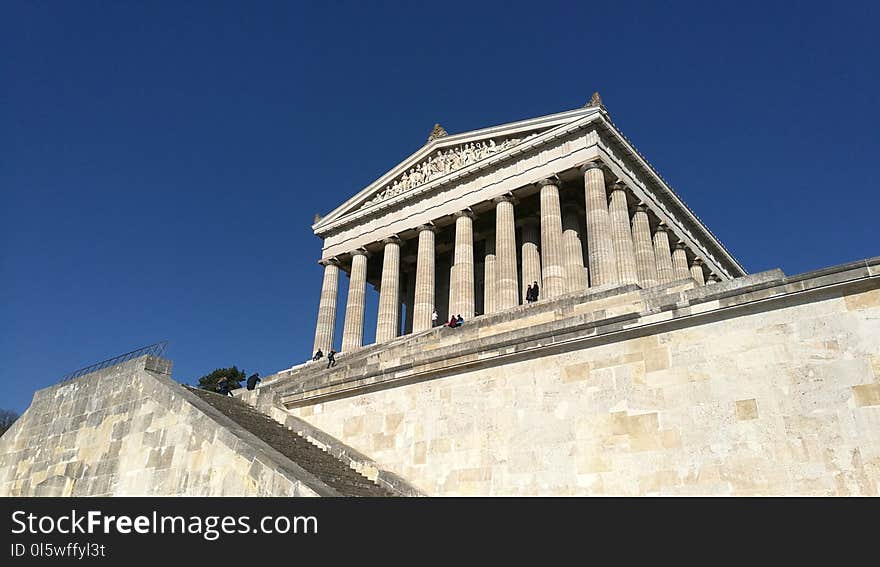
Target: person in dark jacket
223,386
331,358
252,380
534,291
318,355
459,321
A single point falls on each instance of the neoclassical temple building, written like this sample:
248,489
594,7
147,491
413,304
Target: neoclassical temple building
469,221
651,363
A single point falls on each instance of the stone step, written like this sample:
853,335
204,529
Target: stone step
309,456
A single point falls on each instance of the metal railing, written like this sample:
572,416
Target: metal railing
157,349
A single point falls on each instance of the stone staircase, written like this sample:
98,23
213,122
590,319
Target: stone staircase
312,458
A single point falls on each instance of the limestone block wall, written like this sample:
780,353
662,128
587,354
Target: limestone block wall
131,430
771,389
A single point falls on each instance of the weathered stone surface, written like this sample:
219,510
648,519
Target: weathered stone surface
760,385
144,435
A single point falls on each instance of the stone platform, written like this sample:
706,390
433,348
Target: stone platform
765,384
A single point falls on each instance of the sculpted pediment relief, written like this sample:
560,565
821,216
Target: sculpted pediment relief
444,161
446,154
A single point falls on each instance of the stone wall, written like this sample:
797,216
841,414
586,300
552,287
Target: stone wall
131,430
764,385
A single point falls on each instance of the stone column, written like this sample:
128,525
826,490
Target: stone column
327,307
573,254
388,319
425,270
462,273
621,235
531,257
697,272
552,265
353,329
408,297
506,290
662,256
646,266
490,280
680,263
603,260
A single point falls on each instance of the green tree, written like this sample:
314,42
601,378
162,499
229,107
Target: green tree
7,418
234,375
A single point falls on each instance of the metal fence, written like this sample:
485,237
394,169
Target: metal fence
157,349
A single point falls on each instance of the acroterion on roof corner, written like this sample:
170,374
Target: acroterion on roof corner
437,132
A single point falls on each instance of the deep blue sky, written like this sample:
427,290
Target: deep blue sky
161,162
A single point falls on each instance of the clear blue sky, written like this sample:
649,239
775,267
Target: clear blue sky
161,162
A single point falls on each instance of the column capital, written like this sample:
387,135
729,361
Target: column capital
552,180
467,212
427,226
618,186
334,261
360,252
394,239
595,164
642,207
697,262
661,227
680,245
506,198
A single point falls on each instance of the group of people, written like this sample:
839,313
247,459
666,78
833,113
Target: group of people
454,320
532,293
331,357
224,384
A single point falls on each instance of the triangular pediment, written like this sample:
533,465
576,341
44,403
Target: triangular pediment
446,155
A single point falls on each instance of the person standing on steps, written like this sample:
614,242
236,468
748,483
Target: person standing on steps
529,294
434,318
534,291
252,380
331,358
223,386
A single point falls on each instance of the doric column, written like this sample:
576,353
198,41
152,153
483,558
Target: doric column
388,319
507,288
531,257
680,268
697,272
662,256
490,279
552,265
646,266
462,273
327,307
573,254
425,270
353,329
603,260
621,235
408,296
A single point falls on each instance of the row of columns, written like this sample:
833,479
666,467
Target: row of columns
620,250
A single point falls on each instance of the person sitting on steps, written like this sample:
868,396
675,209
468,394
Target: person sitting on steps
318,355
458,320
